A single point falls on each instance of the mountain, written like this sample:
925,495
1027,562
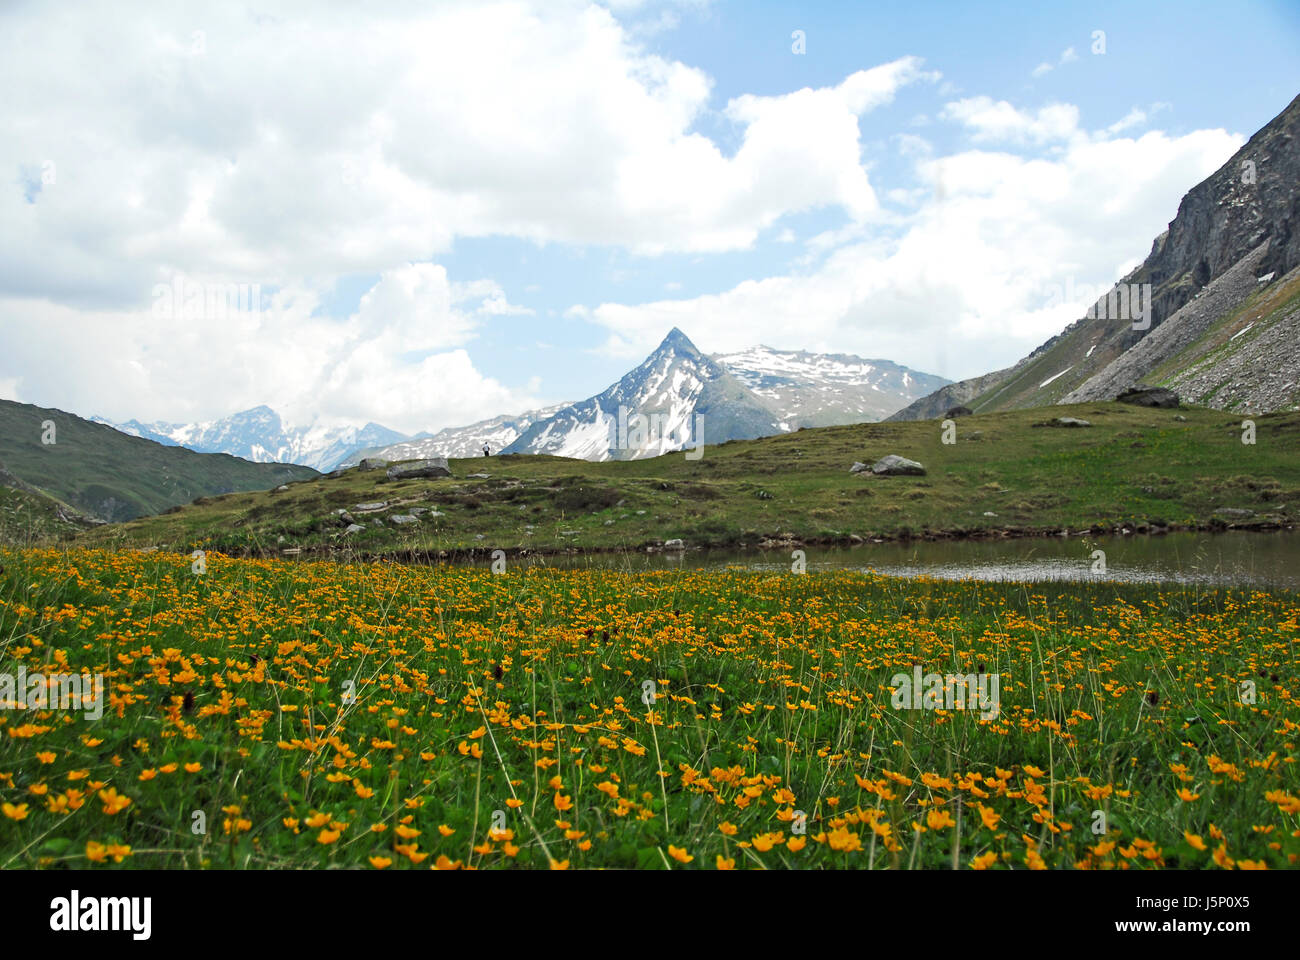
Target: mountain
793,388
1224,302
113,476
497,433
655,409
959,394
827,389
258,435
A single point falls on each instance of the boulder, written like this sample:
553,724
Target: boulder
1149,397
675,544
1069,422
354,528
403,518
857,467
896,466
373,463
1234,512
433,467
371,507
959,412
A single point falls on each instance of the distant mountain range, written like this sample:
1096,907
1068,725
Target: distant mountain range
1223,302
745,394
103,473
258,435
656,407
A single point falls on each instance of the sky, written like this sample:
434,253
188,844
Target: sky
424,214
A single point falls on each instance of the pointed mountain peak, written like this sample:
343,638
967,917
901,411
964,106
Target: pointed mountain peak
676,340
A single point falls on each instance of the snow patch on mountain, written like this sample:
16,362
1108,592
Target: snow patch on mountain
821,389
258,435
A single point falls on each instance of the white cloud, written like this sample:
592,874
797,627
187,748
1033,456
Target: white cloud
1068,55
1133,118
280,150
967,288
998,120
230,145
396,360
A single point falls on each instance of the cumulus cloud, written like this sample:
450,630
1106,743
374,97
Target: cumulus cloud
286,148
988,120
969,285
397,359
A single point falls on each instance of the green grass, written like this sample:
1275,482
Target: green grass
1135,467
28,519
111,475
348,715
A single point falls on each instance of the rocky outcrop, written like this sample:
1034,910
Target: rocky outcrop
1067,422
896,466
1149,397
433,467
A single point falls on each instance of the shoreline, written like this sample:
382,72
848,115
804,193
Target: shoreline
482,553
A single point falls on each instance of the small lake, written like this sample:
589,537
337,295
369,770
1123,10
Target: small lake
1233,558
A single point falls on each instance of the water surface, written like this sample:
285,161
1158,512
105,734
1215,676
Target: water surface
1233,558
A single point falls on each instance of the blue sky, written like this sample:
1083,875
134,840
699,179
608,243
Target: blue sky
495,246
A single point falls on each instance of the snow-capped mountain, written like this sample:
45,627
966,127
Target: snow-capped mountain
497,433
258,435
827,389
654,409
675,398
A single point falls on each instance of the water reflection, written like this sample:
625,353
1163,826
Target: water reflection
1233,558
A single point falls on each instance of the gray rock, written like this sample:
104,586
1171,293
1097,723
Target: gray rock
373,463
433,467
1236,512
346,518
354,528
1149,397
674,544
1069,422
896,466
1180,418
858,467
371,507
281,488
403,518
478,476
959,412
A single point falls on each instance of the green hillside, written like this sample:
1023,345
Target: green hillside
1135,467
113,476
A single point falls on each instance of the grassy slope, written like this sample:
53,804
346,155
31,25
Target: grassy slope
28,519
109,474
1133,466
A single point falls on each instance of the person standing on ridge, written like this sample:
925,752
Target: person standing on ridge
487,451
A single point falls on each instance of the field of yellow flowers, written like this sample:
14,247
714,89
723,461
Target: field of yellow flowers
275,714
